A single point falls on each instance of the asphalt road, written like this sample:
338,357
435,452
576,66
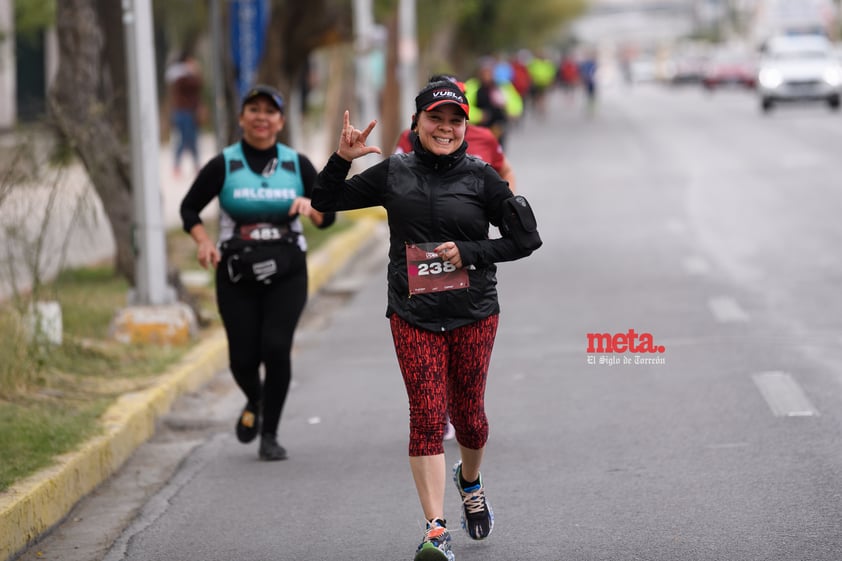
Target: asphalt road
692,220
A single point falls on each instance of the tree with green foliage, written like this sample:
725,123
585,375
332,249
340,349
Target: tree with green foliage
32,17
505,25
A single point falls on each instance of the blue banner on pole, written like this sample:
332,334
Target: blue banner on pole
249,20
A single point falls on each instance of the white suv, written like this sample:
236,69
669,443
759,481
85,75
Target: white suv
799,68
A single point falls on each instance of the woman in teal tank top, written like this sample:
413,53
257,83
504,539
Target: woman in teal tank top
263,188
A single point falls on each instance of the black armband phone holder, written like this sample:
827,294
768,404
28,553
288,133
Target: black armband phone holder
519,223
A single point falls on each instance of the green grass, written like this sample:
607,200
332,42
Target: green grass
33,434
51,397
89,297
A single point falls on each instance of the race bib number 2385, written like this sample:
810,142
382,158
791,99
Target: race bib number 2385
427,272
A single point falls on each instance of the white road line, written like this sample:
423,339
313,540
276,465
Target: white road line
783,394
695,265
726,310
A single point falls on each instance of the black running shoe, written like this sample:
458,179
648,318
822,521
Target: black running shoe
477,516
248,425
270,450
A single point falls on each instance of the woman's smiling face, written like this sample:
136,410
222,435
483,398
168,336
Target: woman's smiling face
442,129
261,121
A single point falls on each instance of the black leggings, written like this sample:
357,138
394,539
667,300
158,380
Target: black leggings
260,323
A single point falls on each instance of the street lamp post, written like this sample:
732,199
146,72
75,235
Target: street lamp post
364,39
219,114
150,274
154,314
407,53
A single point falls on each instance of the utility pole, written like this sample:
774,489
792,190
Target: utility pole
150,274
407,55
220,117
154,314
367,97
8,79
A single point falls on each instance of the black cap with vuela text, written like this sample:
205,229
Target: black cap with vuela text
440,93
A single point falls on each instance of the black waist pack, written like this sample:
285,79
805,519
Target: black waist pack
519,223
263,262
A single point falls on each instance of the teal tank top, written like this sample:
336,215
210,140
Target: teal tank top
248,196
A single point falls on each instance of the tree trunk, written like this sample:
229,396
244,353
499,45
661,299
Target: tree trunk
393,117
339,92
113,86
84,118
296,29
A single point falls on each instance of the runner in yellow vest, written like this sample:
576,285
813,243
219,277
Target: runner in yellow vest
543,74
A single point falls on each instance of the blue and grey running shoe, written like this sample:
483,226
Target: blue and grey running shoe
477,516
436,543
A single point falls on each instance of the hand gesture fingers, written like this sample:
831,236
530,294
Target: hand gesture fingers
352,141
346,129
364,134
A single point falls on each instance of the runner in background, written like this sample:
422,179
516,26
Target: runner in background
263,190
184,82
521,80
568,76
587,75
487,100
543,73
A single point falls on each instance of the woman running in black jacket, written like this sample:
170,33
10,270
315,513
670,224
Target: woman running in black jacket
442,295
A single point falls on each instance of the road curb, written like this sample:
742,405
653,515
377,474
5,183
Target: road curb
33,506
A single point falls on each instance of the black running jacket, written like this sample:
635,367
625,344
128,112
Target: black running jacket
430,199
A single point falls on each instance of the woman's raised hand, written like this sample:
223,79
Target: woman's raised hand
352,140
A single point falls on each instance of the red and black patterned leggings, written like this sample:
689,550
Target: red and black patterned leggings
445,372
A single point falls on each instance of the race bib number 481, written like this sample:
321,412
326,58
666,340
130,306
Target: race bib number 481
260,232
427,272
